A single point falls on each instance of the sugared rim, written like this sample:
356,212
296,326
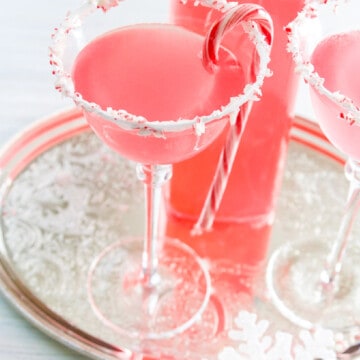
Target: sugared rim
128,121
350,111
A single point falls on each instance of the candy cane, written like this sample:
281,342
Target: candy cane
257,22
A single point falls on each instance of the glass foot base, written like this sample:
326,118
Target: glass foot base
170,305
293,282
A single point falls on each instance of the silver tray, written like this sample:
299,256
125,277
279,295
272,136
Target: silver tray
64,196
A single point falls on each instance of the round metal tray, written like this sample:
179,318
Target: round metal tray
64,196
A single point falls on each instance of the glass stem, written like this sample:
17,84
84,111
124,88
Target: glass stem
153,177
335,258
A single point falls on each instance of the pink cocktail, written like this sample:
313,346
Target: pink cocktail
315,282
156,93
168,81
336,59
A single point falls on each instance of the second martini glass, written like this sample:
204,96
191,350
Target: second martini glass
163,81
313,283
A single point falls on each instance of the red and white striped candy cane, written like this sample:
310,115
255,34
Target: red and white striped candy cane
257,21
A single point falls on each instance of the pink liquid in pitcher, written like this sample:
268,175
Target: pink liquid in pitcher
155,71
337,59
247,210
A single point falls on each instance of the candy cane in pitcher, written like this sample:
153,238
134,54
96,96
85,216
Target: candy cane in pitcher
247,209
251,15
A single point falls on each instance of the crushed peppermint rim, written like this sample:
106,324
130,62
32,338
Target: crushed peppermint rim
64,83
350,111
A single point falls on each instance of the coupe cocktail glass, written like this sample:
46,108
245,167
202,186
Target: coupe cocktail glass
150,90
313,283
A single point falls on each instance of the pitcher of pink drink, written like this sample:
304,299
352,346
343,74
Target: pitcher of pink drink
244,220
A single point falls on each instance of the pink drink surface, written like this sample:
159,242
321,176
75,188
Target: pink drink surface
337,60
155,71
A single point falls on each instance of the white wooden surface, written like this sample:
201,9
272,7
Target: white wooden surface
27,94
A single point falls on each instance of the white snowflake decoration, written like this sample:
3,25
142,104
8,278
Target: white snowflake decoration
255,344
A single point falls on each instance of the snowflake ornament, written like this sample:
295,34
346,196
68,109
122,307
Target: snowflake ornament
254,343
